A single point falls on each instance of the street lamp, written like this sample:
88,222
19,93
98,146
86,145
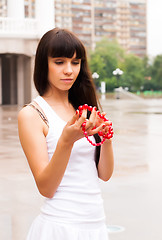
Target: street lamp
95,76
117,72
103,85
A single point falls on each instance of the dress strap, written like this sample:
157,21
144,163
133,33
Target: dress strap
39,112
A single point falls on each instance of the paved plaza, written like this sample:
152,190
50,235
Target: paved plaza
133,196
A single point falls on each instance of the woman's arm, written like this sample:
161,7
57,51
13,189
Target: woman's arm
47,174
106,161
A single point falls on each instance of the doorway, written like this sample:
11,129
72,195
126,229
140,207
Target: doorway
15,79
8,79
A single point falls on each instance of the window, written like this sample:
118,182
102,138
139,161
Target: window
29,8
3,8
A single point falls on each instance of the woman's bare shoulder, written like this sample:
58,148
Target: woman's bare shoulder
29,117
26,113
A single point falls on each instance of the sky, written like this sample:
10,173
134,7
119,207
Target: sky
154,27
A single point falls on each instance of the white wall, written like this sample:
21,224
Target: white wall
44,15
15,9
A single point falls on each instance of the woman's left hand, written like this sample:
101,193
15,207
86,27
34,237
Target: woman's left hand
95,123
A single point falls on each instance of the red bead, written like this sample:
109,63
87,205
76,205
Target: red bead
80,107
85,106
105,119
109,136
90,108
80,112
100,133
105,136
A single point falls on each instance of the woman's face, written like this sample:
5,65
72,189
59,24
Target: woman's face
62,72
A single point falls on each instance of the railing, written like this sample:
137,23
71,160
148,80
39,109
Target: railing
18,27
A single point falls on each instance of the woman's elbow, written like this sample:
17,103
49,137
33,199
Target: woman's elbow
105,178
45,192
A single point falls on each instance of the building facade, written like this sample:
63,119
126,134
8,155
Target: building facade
123,20
22,23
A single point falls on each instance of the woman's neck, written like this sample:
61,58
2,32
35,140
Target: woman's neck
57,98
60,104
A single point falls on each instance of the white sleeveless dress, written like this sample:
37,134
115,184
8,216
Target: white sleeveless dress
76,210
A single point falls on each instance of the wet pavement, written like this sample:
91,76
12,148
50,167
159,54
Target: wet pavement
133,196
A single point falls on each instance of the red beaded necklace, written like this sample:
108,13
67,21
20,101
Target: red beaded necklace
100,133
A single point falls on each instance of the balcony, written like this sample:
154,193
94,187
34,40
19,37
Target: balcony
18,28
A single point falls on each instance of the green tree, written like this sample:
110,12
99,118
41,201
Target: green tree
156,72
109,55
104,59
147,66
133,72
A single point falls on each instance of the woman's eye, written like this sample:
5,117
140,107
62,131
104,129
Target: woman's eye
75,63
59,62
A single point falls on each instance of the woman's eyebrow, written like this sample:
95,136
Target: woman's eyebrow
76,58
58,57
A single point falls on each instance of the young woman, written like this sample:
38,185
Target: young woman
65,166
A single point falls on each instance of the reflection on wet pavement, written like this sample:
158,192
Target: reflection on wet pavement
134,194
132,197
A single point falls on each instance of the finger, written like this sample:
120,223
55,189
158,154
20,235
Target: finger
105,130
108,123
92,120
103,114
82,118
96,130
74,118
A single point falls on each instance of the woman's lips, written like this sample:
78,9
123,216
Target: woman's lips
67,79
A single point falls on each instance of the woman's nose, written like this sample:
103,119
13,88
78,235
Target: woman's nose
68,69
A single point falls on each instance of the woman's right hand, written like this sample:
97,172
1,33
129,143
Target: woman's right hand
73,129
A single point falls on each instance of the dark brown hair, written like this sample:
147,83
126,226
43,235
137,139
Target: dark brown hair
63,43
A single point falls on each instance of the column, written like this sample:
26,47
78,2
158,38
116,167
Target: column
6,83
44,15
27,79
20,80
13,80
0,81
15,9
34,92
